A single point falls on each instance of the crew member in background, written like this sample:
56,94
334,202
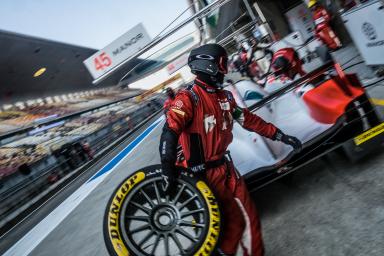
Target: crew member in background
201,118
171,96
286,65
323,29
244,63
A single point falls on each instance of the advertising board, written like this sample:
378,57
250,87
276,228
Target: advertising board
365,26
117,51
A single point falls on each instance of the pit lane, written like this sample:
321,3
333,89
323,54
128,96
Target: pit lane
330,207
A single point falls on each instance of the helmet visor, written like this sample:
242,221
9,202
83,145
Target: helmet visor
205,66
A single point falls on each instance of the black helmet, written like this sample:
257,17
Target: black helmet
209,59
280,65
286,61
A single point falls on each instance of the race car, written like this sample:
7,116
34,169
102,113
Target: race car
324,109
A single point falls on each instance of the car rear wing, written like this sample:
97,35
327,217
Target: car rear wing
304,80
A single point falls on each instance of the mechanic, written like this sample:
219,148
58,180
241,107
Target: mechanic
244,63
201,119
171,96
323,30
286,65
246,55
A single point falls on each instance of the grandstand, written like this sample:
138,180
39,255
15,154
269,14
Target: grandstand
42,142
22,114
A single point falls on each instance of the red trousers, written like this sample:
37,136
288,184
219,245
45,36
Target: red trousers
241,225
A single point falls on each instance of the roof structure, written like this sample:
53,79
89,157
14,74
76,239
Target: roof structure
32,67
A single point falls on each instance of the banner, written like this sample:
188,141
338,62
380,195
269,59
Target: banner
117,51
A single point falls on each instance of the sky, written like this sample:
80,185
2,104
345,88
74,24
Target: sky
90,23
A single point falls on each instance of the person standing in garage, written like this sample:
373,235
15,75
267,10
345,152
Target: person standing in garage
201,118
286,65
323,29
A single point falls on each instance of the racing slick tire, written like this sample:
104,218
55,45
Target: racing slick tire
141,219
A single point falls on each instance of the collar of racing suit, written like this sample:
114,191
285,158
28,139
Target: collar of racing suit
206,86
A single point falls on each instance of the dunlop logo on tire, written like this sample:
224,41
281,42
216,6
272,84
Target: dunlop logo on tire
214,226
114,212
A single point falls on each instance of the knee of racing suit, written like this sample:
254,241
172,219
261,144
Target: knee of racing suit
234,224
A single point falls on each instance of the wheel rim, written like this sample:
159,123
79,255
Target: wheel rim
152,223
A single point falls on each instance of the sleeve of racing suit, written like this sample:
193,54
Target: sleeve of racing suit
178,116
253,122
168,147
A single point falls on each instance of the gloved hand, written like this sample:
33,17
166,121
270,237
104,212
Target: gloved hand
289,140
169,176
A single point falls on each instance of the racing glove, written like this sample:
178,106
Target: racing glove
289,140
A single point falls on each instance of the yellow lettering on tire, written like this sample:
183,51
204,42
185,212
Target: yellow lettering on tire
114,213
212,237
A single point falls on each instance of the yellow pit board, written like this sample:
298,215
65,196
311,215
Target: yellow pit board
367,135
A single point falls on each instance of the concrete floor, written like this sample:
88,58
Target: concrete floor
332,207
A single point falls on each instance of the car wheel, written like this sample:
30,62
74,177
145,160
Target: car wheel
141,219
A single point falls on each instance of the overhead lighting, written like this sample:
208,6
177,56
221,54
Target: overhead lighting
39,72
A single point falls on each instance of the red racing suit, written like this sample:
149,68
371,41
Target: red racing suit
295,63
323,29
202,117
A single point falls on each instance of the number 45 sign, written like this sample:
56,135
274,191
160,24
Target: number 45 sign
102,61
117,51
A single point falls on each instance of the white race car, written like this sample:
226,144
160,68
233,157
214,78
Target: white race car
323,109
